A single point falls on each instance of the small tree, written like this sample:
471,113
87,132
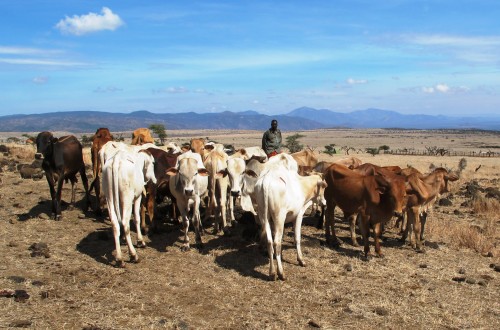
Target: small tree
372,151
159,129
86,141
292,143
384,148
330,149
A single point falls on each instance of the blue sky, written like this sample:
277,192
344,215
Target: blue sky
414,57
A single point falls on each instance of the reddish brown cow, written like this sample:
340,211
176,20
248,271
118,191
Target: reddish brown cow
424,192
62,160
141,136
101,136
375,198
156,192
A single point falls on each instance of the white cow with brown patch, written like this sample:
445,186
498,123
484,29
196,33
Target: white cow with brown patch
283,196
124,176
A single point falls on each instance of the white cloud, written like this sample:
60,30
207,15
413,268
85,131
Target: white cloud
92,22
109,89
352,81
9,50
30,61
40,80
455,41
171,90
444,89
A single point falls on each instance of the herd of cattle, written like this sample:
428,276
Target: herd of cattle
276,190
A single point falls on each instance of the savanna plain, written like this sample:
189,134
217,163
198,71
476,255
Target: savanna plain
62,274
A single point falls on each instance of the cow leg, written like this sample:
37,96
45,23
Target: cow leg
126,229
116,234
97,187
352,225
278,235
137,221
321,220
365,232
418,225
85,183
73,192
297,232
331,238
57,200
270,250
197,221
223,211
423,220
377,230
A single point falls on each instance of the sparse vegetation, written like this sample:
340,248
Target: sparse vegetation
330,149
160,131
293,144
372,151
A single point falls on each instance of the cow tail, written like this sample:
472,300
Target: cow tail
116,190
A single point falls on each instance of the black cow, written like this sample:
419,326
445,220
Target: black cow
62,160
156,192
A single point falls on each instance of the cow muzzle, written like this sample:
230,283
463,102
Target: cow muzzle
38,156
235,193
189,192
398,214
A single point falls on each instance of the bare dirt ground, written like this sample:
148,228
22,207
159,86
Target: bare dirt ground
72,283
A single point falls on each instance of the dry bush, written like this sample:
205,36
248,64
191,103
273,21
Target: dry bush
479,237
486,206
19,151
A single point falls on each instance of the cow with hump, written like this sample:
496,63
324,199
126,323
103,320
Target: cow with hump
62,160
99,139
376,198
123,178
188,183
283,196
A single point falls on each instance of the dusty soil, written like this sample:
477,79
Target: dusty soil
69,279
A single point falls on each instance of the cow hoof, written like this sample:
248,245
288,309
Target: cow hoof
334,243
282,277
419,250
141,244
272,277
380,255
227,231
135,259
58,217
120,264
185,248
355,243
302,263
368,257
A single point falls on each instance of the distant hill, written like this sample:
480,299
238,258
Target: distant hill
299,119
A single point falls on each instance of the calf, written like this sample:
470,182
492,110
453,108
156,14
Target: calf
421,197
283,196
141,136
62,160
374,197
124,177
188,183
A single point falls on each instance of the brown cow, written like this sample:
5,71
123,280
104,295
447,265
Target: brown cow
141,136
424,193
374,197
101,136
155,192
62,160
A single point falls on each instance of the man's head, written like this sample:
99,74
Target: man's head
274,125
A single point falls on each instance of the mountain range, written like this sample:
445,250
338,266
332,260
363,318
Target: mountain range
299,119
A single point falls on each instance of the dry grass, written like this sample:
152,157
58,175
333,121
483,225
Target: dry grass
225,287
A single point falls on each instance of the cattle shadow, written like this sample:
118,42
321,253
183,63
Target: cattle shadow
99,245
45,207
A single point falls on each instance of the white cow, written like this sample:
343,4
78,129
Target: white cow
124,176
249,152
283,196
235,171
187,184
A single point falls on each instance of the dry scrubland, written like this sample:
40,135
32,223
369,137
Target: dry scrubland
74,283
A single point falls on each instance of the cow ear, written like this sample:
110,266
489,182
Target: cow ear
203,172
251,173
452,177
222,173
171,171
